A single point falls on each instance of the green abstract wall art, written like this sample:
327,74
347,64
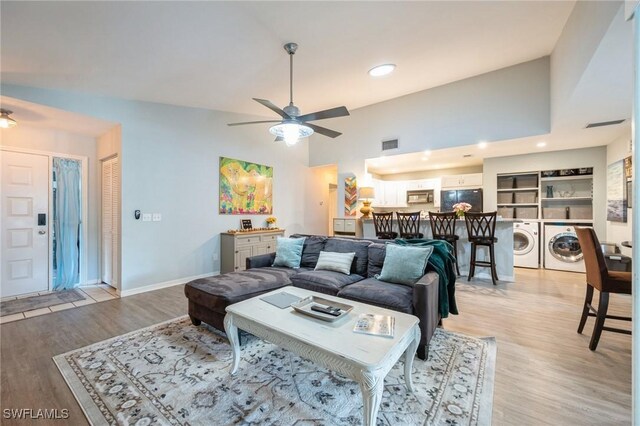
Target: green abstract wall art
245,188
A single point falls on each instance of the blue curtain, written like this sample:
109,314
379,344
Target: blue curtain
68,216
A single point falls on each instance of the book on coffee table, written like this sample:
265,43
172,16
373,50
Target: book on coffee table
376,325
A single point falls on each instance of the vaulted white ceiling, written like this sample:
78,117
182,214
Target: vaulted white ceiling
219,55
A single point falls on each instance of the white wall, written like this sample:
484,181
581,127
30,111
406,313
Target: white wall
569,159
62,142
581,36
170,158
508,103
617,231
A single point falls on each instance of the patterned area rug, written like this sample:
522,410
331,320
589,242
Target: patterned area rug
177,374
9,307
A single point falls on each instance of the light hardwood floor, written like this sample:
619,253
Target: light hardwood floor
545,372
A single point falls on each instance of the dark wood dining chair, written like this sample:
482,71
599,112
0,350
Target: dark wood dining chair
481,229
383,223
605,281
443,227
409,225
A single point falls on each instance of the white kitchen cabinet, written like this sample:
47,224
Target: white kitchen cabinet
471,180
395,193
378,187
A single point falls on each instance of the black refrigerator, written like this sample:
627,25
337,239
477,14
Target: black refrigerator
450,197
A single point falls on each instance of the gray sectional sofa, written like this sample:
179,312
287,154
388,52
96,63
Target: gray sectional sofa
209,297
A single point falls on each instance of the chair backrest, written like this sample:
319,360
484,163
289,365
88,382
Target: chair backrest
593,258
480,225
443,224
409,224
383,223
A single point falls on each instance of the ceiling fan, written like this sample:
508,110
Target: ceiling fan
294,126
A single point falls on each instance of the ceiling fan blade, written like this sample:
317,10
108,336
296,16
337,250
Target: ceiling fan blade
253,122
323,130
278,139
327,113
272,107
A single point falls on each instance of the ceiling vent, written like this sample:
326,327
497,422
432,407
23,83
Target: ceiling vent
467,156
392,144
604,123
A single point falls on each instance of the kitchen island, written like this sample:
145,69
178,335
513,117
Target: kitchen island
503,248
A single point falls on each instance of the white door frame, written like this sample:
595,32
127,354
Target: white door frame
84,248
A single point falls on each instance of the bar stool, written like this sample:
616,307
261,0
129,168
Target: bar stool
599,277
383,223
409,225
443,227
481,229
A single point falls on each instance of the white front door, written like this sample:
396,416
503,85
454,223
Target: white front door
25,223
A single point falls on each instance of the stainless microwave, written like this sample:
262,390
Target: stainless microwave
420,197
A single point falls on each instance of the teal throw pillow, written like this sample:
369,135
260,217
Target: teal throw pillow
288,252
404,264
337,262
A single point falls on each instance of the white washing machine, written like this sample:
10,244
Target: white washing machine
561,248
526,244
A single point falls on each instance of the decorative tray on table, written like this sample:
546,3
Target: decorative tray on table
339,310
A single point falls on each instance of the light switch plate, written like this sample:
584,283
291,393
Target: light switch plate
146,217
157,217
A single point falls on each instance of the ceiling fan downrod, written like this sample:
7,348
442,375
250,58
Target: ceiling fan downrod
291,50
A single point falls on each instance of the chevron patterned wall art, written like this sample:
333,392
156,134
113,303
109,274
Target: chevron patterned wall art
350,196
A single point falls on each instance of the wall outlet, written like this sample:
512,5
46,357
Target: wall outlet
157,217
146,217
215,257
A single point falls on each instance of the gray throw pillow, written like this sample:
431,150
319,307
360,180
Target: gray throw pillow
337,262
404,264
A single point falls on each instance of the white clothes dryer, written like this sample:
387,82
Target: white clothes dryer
526,244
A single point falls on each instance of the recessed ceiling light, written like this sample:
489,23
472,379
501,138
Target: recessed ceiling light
381,70
424,158
482,144
541,144
426,152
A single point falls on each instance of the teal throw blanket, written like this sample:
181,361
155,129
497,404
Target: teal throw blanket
443,263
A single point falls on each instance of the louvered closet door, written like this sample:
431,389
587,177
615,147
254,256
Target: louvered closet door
110,220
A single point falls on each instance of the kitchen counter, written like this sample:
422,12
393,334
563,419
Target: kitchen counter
503,248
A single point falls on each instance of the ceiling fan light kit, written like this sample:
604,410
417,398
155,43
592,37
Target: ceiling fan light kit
291,132
5,120
294,126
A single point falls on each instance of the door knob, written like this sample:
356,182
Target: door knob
41,232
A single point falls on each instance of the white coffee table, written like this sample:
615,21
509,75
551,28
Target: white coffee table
364,358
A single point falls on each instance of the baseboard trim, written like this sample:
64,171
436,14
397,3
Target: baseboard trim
165,284
91,282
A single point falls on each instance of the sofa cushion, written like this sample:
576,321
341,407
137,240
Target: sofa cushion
219,291
288,252
344,245
377,253
327,282
397,297
313,245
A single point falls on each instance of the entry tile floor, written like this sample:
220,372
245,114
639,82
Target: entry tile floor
93,294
